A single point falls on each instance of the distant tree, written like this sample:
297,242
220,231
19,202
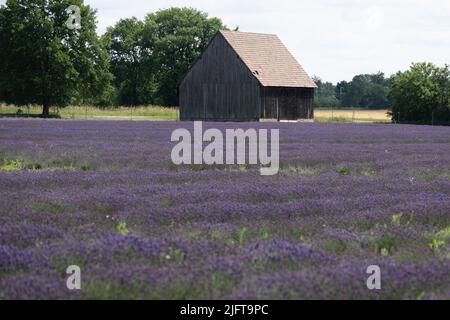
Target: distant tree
324,89
366,91
422,94
180,35
44,61
325,94
327,102
131,48
341,89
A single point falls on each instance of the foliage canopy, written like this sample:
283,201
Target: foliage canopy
43,61
422,94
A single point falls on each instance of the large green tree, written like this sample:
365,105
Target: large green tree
131,51
48,57
422,94
181,34
149,57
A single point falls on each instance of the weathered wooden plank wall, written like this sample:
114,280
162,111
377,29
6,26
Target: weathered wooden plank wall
287,103
220,87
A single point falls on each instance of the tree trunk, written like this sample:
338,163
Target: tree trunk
45,107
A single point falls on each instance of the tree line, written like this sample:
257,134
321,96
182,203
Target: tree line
50,58
418,95
364,91
43,60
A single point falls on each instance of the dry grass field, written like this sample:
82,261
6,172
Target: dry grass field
153,113
156,113
348,115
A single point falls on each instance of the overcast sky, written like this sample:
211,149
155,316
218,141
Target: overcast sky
334,39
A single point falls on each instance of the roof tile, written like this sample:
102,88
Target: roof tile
268,59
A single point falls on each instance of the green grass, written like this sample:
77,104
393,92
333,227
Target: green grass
52,206
153,113
123,229
10,165
298,169
344,171
157,113
18,164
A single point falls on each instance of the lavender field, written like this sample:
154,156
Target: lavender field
104,195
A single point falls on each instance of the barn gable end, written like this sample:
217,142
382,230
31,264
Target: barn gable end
246,77
219,86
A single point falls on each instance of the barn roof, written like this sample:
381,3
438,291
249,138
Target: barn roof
268,59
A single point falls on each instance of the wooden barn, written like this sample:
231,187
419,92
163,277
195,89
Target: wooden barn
246,77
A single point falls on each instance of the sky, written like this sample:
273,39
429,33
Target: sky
332,39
